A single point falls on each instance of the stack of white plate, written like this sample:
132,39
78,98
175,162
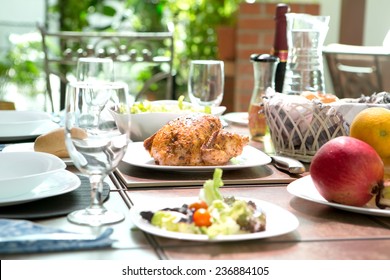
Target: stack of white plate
27,176
19,125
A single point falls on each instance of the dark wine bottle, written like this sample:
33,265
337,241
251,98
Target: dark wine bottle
280,47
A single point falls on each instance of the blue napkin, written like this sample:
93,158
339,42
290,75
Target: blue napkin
13,228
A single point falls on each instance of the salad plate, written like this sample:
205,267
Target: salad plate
58,183
137,155
29,147
240,118
279,221
304,188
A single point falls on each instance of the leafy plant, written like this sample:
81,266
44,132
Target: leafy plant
22,63
194,24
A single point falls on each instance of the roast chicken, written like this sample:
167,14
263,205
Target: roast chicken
194,140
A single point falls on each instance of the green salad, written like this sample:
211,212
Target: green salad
181,106
212,214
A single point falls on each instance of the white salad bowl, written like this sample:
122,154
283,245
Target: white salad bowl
145,124
21,172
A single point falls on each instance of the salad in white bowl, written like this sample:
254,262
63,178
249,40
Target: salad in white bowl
147,117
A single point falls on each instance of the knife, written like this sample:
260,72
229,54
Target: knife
49,236
290,165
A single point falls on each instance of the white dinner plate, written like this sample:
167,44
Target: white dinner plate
304,188
278,221
240,118
21,125
137,155
29,147
59,183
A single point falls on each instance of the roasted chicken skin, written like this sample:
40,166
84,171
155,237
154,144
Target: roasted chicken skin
194,140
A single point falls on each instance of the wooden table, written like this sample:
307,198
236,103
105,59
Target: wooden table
324,233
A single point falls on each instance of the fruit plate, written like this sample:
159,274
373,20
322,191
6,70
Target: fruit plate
305,189
279,221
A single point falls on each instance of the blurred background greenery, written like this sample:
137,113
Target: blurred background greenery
193,22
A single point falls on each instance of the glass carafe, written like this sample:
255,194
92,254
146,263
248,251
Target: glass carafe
305,36
264,66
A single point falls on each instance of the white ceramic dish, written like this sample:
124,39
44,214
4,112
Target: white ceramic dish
58,183
22,124
28,147
137,155
279,221
21,172
240,118
305,189
146,124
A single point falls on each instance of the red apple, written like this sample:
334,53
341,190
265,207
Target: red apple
347,170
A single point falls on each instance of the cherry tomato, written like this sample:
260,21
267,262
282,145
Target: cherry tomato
198,205
202,218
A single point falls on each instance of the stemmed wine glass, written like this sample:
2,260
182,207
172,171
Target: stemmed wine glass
93,69
94,141
206,82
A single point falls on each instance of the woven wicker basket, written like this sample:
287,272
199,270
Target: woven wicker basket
298,130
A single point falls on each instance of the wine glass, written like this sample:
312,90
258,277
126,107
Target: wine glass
94,141
206,82
92,69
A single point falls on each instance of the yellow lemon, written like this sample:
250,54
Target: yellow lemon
372,125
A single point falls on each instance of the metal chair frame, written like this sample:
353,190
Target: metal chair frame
122,47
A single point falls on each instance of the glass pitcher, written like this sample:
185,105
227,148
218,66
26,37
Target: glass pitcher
304,70
264,66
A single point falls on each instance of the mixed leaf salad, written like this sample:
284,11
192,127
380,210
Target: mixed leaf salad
211,214
178,107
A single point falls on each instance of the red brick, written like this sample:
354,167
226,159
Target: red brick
270,9
312,9
269,39
247,39
249,8
255,34
256,24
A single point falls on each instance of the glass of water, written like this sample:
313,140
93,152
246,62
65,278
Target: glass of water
206,82
94,141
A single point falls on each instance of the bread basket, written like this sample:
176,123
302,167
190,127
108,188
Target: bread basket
299,127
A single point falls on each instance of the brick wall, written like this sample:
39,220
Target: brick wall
255,34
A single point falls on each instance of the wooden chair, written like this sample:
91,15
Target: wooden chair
7,105
357,70
148,55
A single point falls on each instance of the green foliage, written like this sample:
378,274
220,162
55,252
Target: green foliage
22,64
192,21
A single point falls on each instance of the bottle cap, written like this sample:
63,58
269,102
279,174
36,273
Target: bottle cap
281,10
264,58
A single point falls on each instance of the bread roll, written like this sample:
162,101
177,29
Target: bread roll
53,142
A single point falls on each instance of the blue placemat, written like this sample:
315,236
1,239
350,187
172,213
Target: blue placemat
21,228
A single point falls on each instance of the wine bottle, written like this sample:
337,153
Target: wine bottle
280,47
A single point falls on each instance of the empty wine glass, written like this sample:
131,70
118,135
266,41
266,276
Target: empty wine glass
206,82
94,142
93,69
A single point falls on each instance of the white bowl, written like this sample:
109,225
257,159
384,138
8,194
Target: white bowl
21,172
146,124
20,123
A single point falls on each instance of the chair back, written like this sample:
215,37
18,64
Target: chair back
142,59
357,70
